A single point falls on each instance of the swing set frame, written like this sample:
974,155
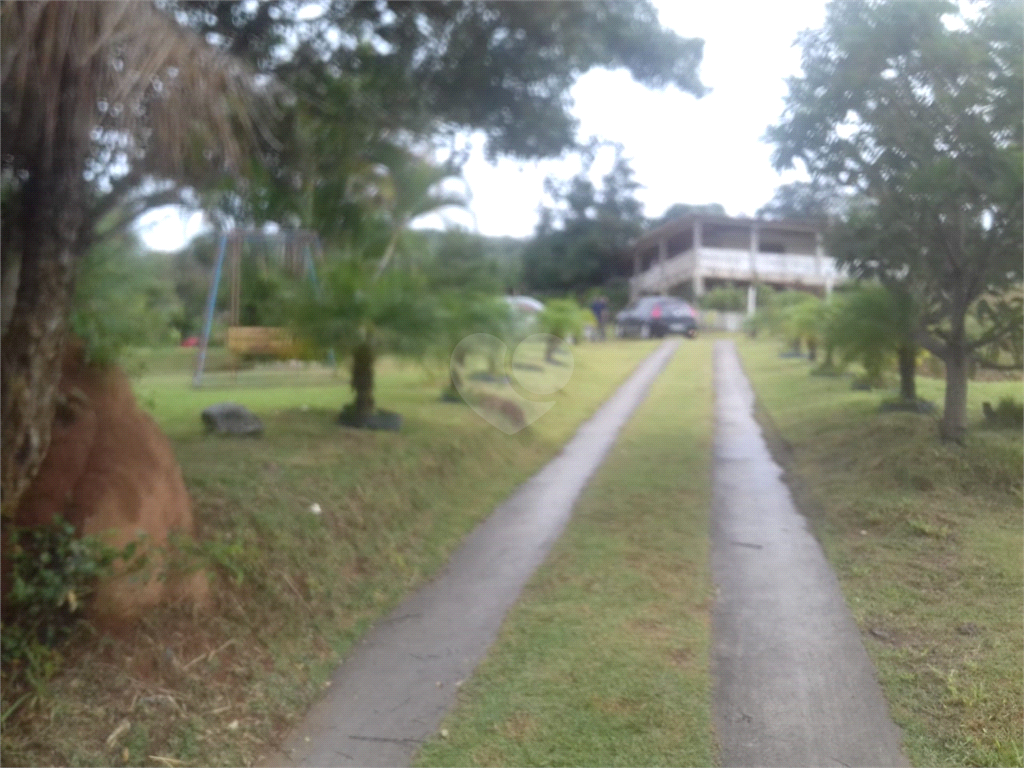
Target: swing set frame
300,249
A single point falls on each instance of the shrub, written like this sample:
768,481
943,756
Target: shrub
1008,413
725,300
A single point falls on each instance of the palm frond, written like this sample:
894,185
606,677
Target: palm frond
120,68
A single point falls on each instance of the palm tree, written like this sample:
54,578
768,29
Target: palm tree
88,89
416,189
874,322
361,316
804,323
562,320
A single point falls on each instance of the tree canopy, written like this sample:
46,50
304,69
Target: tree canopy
921,119
582,235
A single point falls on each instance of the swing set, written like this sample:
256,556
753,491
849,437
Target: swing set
296,251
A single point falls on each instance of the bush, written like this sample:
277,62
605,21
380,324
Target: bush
1008,413
53,571
724,300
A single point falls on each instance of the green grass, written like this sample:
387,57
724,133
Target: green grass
926,539
292,591
604,659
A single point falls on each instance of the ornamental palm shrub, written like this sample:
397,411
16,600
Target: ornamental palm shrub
362,316
562,320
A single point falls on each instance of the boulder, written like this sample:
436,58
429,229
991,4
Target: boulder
232,419
110,471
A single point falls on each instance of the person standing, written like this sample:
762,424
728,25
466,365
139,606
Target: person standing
599,306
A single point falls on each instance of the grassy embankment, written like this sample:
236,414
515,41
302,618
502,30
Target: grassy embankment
292,590
604,659
926,540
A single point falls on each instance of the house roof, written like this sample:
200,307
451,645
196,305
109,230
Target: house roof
683,223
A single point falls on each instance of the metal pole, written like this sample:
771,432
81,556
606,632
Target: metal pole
211,303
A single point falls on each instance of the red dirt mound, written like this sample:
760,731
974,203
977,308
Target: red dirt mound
110,469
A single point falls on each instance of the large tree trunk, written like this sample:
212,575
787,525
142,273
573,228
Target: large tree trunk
33,345
907,355
812,349
362,379
954,416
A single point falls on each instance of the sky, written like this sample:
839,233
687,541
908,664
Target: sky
682,149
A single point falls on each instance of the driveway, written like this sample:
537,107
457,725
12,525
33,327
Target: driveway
390,695
793,683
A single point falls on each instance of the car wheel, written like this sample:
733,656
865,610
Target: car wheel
691,333
645,331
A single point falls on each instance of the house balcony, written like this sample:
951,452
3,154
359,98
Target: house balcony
698,267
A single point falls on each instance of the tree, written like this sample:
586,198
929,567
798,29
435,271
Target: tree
360,315
802,200
872,323
885,314
724,300
372,78
580,240
122,296
679,210
472,323
89,89
804,323
502,68
924,120
562,320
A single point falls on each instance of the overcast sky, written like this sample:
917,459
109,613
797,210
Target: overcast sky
684,150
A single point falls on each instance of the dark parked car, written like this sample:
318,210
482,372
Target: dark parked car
656,316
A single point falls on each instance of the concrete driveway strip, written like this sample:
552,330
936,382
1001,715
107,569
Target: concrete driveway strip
793,683
384,700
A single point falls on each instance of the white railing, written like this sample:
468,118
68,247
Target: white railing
735,264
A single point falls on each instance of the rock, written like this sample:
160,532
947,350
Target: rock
111,471
232,419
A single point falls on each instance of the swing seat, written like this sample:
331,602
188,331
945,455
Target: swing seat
265,342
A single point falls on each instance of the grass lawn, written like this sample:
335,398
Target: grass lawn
926,540
604,659
292,590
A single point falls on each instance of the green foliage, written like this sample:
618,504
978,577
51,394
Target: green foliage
505,69
580,240
805,322
773,311
724,300
802,200
394,313
123,297
564,318
460,259
679,210
869,324
1001,318
917,110
1007,413
53,572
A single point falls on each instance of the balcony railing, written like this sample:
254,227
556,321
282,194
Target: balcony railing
735,264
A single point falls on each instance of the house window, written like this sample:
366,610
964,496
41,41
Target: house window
771,248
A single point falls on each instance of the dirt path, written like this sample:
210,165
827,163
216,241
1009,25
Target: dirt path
794,685
393,691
